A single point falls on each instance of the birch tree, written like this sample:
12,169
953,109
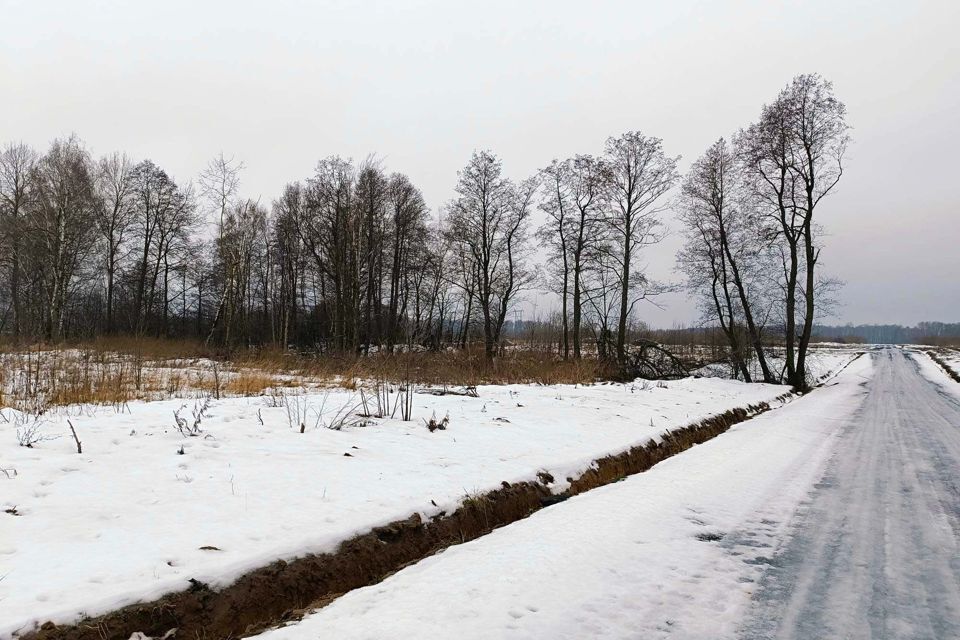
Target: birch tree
61,226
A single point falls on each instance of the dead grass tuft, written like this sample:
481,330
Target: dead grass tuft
249,383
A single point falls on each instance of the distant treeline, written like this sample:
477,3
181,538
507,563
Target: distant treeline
923,333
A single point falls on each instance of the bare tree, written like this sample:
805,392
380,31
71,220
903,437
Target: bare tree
219,186
242,230
554,234
406,219
289,258
115,217
486,223
372,194
794,155
588,180
163,219
331,232
61,225
821,132
17,163
723,232
640,174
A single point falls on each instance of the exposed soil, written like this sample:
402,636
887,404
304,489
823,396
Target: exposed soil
285,591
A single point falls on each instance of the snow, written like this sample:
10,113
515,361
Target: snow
673,552
933,372
128,519
821,361
952,358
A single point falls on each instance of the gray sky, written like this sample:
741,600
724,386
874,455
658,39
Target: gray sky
282,84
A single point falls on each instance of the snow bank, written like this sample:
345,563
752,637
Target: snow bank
934,372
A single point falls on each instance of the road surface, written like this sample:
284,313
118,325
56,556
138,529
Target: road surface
875,554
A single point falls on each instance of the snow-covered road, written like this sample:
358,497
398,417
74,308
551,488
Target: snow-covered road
875,553
833,517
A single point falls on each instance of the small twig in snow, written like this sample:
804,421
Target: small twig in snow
75,438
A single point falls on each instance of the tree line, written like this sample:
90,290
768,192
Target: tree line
347,260
351,259
946,333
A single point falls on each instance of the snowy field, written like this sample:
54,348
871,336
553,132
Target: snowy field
144,508
681,551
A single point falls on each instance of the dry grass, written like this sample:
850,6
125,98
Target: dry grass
149,348
112,371
249,383
463,368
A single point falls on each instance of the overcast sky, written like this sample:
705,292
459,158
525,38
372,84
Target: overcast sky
422,84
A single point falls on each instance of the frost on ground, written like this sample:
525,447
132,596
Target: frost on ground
673,552
168,491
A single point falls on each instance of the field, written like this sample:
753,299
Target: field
128,476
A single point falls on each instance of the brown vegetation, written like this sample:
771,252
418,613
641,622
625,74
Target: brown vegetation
111,371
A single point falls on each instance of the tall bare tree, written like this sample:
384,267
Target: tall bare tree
587,182
487,223
219,186
331,230
640,174
163,219
724,233
794,154
115,216
62,226
406,218
17,163
290,260
554,234
372,195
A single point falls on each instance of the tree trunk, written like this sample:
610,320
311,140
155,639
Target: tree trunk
624,297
